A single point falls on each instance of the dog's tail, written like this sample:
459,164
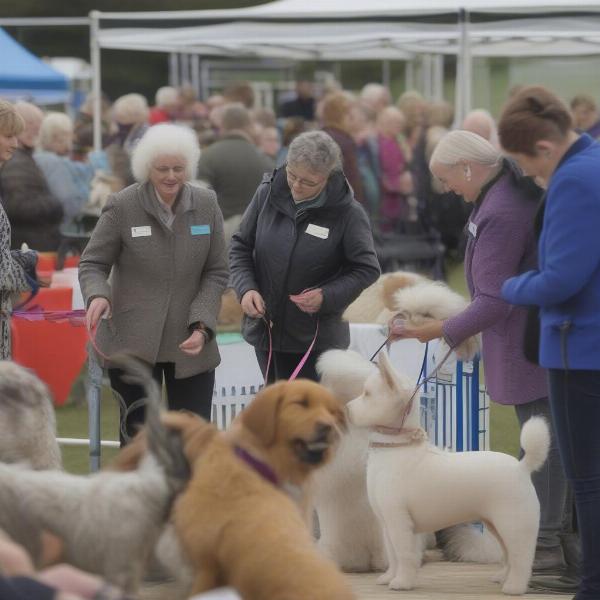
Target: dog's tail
344,372
165,444
468,542
535,441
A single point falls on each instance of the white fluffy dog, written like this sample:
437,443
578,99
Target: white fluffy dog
415,299
27,420
413,487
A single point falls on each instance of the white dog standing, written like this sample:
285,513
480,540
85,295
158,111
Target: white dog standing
413,487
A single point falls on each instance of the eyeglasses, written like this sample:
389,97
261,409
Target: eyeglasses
164,170
303,182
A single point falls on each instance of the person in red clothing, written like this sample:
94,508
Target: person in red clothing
167,106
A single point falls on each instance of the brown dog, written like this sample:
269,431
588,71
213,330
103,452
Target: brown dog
236,524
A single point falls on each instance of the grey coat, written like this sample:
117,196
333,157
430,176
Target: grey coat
161,283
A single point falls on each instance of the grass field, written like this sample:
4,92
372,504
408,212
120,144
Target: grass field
72,419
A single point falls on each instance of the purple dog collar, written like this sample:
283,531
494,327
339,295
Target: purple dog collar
262,468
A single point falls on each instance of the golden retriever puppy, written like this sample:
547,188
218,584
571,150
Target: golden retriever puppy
236,523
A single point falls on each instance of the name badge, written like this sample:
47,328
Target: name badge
318,231
200,229
473,229
144,231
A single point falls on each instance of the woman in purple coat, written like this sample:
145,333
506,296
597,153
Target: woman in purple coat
501,243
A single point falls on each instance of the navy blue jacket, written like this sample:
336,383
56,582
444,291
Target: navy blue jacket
567,283
273,253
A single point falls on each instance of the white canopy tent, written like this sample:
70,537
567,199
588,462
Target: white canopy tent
358,30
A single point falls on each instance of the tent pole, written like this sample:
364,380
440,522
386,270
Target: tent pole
385,73
464,69
96,87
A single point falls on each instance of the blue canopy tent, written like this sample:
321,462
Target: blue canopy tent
23,76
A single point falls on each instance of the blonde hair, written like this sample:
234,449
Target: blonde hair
11,122
131,109
165,139
54,124
464,146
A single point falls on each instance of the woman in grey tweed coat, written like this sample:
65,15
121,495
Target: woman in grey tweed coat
161,241
12,264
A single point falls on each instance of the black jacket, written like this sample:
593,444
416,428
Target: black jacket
273,253
34,213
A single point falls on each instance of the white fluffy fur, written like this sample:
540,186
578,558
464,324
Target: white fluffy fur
27,420
372,304
416,298
349,532
428,300
416,488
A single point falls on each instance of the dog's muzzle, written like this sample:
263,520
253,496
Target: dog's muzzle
314,451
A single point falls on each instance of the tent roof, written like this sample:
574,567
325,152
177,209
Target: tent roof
348,9
552,36
24,75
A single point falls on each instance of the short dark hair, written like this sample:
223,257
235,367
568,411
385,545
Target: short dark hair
533,114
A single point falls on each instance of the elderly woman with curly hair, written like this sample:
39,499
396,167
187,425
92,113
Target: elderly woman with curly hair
161,240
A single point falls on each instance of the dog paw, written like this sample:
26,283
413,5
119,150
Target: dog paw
385,578
401,583
514,589
498,577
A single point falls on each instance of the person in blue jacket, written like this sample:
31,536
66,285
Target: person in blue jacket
536,129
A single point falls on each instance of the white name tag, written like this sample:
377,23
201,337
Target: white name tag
318,231
473,229
144,231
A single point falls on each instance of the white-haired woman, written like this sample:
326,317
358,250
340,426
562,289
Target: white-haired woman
501,244
303,253
162,238
68,180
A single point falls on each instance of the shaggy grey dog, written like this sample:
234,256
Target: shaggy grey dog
27,421
110,521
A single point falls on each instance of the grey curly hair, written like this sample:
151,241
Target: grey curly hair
317,151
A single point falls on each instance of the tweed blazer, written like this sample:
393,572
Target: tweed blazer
162,280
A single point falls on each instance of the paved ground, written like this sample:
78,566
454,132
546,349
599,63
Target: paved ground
438,580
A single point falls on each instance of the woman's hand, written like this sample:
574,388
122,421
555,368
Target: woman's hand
194,344
253,304
400,329
99,307
309,301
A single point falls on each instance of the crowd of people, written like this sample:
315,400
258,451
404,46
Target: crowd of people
286,207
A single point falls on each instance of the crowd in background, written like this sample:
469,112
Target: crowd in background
57,184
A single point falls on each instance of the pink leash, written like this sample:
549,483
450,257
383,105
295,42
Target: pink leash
302,360
74,317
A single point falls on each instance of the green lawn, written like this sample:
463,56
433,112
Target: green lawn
72,418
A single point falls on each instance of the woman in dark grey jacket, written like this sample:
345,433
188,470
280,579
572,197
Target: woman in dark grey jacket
303,253
163,241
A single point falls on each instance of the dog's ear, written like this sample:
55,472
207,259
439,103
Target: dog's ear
387,371
394,282
260,416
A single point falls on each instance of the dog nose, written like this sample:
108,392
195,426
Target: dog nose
323,430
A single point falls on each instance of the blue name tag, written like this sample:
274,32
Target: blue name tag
200,229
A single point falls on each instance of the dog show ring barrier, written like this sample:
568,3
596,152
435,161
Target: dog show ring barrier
454,407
